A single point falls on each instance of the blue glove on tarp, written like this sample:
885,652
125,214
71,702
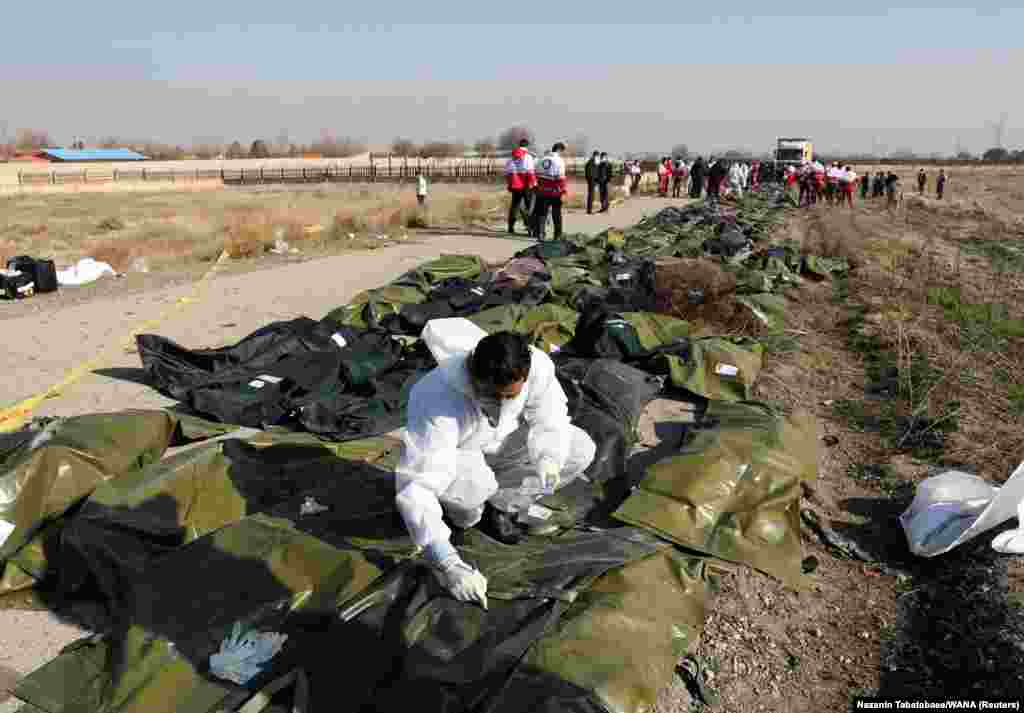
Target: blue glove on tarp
242,657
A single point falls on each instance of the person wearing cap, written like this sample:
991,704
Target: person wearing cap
521,177
552,186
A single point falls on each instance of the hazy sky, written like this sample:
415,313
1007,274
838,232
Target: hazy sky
636,77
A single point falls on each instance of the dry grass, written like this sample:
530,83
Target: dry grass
719,312
170,229
950,319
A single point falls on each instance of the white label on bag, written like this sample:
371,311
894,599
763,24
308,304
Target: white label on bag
271,379
256,384
726,370
6,529
623,276
339,340
477,290
540,512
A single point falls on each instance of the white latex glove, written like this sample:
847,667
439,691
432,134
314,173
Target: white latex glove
464,582
549,474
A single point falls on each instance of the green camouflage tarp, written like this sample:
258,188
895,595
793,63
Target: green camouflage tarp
117,461
260,571
718,368
447,266
548,326
770,310
657,330
733,491
620,640
824,267
370,306
54,468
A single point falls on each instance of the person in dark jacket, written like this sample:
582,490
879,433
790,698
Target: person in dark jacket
922,181
697,177
879,185
716,175
865,185
590,171
604,177
940,184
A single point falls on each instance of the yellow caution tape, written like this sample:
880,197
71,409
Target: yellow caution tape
14,417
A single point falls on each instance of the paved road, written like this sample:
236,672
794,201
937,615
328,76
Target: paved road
232,306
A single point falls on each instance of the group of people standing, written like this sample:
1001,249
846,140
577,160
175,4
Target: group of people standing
940,183
836,184
537,189
715,176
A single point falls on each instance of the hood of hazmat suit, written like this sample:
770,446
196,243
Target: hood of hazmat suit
449,430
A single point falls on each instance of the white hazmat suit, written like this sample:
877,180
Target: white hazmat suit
455,456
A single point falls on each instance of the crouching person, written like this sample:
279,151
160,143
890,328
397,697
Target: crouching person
491,414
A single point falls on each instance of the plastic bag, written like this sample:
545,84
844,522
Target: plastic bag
954,507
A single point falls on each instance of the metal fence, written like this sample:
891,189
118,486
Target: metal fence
485,171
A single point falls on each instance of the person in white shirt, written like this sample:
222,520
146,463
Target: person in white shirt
421,189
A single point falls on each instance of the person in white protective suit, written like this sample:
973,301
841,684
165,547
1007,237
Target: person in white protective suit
491,414
736,179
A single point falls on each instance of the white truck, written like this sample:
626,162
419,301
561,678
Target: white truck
792,152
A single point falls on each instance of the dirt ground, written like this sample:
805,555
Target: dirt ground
62,330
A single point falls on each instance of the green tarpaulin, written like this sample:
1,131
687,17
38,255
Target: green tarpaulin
733,490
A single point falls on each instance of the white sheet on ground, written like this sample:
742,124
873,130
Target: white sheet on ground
87,270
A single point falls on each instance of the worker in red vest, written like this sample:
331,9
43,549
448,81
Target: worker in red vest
521,177
552,186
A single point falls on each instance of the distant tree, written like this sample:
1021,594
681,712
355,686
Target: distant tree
293,151
442,149
403,147
964,155
206,151
485,147
996,154
903,155
1018,155
579,146
510,138
31,139
733,154
259,149
681,150
235,150
330,147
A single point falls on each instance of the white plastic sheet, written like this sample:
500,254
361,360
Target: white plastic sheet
85,271
953,507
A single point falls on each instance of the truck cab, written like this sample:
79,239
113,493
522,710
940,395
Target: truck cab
792,152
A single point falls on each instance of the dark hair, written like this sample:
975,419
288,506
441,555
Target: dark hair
558,147
524,143
500,359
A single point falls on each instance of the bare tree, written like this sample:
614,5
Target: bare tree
681,150
403,147
485,147
510,138
31,139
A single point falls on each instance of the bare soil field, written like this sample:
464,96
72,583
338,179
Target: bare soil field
913,364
